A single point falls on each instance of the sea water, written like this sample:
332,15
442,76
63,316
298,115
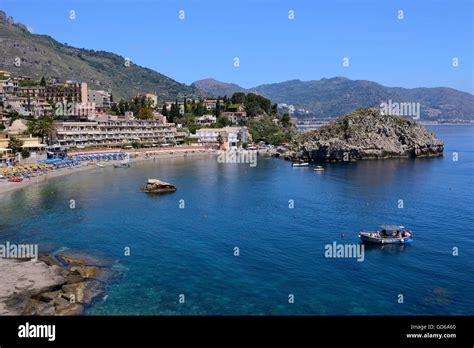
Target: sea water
241,240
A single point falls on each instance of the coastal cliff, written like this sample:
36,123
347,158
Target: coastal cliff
366,134
47,286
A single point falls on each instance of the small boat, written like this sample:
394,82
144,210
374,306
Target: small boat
100,164
319,169
300,164
122,165
15,179
388,235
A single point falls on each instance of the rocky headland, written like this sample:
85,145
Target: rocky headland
365,134
51,285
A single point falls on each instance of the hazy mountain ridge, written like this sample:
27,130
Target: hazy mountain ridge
216,88
336,96
41,55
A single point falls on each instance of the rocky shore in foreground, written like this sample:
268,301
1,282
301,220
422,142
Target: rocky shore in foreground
365,134
51,285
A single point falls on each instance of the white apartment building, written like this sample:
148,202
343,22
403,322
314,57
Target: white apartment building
206,120
8,87
231,136
115,130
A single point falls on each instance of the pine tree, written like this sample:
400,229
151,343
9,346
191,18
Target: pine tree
164,110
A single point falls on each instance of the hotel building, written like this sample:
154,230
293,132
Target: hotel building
116,131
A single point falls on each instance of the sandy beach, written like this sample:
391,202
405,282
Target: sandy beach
136,156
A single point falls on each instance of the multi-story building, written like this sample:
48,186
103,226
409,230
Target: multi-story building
4,120
32,91
235,116
70,91
206,120
5,74
22,105
115,130
29,142
168,104
101,99
211,104
232,137
8,87
26,106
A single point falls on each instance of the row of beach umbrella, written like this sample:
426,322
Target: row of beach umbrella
25,169
99,156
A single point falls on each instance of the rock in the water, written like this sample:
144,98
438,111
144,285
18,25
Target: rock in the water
83,292
367,134
158,186
85,271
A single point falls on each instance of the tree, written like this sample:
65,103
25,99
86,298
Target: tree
238,98
199,109
174,111
223,121
13,115
42,127
15,144
43,82
25,153
145,113
220,140
164,110
217,112
285,119
274,109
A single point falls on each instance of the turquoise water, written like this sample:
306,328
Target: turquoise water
190,251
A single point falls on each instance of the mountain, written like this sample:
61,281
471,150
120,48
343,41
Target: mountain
219,88
333,97
216,88
41,55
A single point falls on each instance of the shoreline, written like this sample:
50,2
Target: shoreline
7,187
60,285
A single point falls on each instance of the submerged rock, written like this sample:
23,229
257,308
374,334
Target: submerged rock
158,186
367,134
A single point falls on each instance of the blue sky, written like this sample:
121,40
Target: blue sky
414,52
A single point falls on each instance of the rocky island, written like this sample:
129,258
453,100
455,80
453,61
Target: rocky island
158,186
366,134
